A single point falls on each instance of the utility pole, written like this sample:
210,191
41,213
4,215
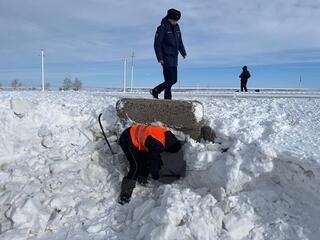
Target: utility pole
132,66
42,69
300,81
124,73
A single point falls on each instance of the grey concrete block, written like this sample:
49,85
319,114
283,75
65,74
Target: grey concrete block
185,116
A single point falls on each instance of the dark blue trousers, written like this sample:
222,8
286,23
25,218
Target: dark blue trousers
170,78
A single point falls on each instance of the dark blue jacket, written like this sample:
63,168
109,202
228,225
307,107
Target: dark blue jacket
245,75
168,43
154,154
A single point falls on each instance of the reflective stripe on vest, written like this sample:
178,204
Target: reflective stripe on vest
143,133
139,134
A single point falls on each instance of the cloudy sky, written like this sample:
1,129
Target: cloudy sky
278,39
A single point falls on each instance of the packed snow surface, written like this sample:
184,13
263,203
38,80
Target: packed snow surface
259,180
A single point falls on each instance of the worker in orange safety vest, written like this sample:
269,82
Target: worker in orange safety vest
142,146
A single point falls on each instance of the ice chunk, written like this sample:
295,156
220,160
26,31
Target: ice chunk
32,215
198,111
238,225
145,208
110,117
20,106
94,228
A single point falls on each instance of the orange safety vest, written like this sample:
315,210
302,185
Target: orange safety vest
139,134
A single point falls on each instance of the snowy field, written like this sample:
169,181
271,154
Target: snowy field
260,180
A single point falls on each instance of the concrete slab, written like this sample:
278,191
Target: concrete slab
185,116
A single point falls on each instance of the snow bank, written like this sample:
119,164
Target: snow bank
58,179
20,107
175,214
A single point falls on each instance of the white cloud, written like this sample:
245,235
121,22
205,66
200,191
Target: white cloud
213,30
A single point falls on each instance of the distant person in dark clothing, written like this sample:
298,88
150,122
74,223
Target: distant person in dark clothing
167,45
142,146
244,76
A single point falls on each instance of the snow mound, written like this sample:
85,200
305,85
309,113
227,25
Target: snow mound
20,107
58,179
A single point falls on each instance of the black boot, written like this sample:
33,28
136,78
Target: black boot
142,181
127,187
154,93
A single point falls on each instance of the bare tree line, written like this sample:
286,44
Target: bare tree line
67,84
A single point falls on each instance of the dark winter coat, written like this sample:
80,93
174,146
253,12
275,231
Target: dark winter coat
245,75
168,43
154,156
155,148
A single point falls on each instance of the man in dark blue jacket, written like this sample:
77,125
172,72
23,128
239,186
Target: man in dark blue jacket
244,76
167,45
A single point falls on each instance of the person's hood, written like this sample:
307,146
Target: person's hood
172,144
164,20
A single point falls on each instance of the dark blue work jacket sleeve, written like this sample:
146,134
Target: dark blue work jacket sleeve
181,47
158,42
154,156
